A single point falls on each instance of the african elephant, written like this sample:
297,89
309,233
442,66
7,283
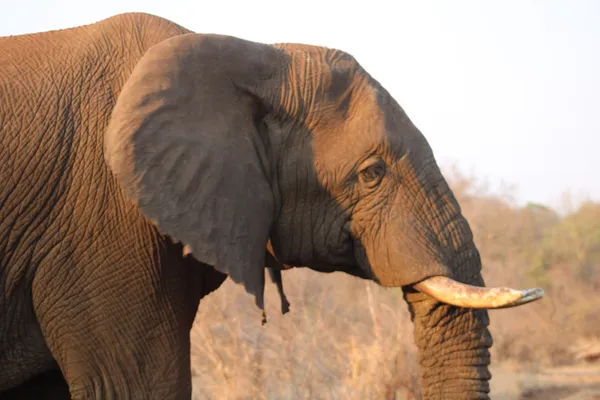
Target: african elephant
142,163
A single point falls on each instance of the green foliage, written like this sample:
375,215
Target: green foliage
572,242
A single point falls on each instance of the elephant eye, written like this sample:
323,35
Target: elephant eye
372,174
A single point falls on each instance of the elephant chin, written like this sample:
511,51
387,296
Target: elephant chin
449,291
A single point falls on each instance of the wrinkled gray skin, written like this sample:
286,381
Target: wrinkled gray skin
117,136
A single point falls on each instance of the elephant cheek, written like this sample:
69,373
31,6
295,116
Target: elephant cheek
397,260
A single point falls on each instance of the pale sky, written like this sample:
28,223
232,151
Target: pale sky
508,90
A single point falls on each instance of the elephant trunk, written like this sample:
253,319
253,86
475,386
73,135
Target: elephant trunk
453,348
453,340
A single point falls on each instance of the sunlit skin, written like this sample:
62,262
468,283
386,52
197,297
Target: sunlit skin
146,163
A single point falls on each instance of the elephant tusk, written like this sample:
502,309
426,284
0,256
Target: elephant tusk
449,291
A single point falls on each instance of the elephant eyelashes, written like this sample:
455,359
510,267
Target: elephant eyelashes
371,175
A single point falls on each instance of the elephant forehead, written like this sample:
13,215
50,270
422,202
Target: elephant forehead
351,137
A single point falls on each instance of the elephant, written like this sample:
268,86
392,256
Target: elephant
142,164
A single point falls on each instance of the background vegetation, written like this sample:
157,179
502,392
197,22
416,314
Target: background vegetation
350,339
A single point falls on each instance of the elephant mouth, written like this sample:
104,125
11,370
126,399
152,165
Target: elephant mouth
444,289
449,291
347,268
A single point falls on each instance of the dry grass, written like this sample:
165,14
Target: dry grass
334,344
349,339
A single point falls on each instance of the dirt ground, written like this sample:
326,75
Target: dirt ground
511,382
580,382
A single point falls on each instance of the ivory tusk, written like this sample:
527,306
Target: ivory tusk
458,294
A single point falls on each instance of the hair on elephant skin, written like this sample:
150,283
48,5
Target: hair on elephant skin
141,164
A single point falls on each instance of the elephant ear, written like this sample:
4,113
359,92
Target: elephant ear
184,144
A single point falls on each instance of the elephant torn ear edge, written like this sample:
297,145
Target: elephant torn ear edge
277,279
187,250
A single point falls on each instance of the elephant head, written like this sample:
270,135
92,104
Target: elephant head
228,145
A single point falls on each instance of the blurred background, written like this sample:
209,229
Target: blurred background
507,93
